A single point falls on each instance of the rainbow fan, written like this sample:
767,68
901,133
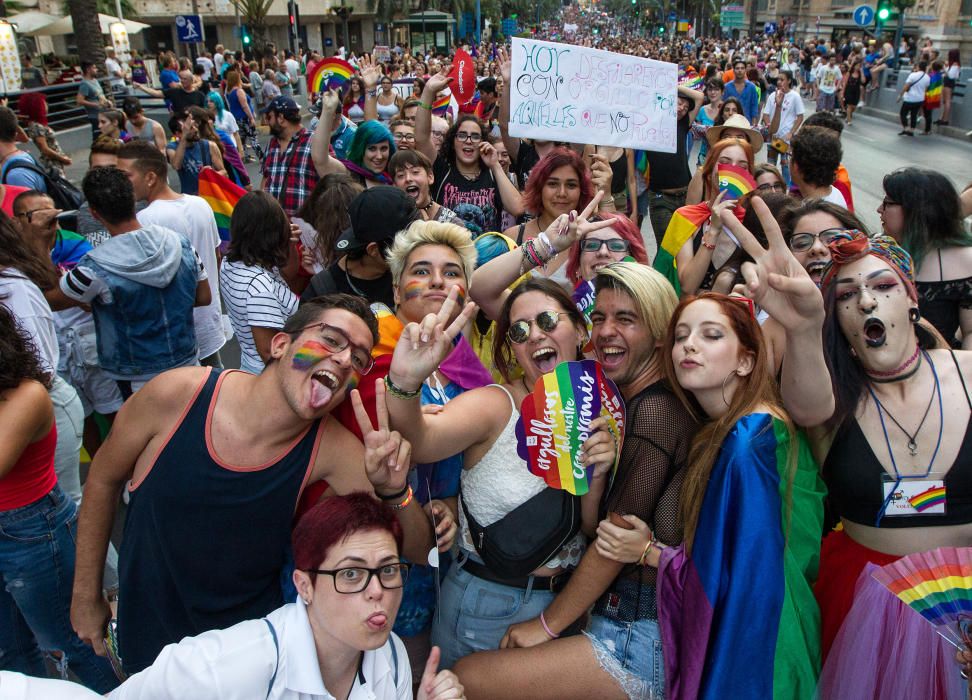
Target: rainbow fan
938,586
735,181
329,74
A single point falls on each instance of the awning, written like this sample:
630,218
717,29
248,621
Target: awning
25,22
65,25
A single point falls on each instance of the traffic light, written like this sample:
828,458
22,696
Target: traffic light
661,30
884,10
245,35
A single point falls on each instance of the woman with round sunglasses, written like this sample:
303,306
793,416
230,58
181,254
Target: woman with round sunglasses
335,641
922,211
467,171
539,327
877,449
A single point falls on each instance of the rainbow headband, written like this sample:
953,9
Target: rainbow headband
329,74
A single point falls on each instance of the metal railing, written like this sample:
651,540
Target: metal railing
63,111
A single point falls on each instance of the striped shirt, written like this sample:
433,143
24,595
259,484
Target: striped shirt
254,296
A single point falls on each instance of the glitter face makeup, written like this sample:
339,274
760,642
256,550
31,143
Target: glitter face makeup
309,354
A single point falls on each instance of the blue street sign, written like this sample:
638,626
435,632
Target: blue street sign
672,16
189,29
863,15
328,41
770,28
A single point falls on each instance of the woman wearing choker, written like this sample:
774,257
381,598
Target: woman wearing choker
468,175
892,424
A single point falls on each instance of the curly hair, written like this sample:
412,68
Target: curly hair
817,154
20,358
448,149
557,158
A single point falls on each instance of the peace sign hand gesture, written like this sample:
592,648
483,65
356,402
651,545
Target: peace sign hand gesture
423,346
775,280
387,453
566,230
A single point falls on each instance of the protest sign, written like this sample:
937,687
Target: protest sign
555,422
561,92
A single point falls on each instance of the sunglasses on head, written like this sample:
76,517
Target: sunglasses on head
546,321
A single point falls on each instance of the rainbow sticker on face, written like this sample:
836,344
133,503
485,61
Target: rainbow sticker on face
309,354
555,422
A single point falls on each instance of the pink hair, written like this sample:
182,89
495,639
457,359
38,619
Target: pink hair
624,228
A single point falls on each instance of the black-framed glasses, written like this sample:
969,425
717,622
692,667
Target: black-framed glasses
335,340
29,215
800,242
468,136
354,579
885,203
404,137
771,187
546,321
615,245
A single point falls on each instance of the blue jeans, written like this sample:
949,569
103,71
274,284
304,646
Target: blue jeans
632,653
37,545
474,613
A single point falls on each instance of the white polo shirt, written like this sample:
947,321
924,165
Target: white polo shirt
238,663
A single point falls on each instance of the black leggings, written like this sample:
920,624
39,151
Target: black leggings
910,110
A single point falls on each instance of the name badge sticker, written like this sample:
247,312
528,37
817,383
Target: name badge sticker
914,496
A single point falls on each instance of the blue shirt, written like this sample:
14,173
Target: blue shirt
22,177
167,77
749,99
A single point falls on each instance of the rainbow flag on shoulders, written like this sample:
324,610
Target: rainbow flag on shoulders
682,226
222,195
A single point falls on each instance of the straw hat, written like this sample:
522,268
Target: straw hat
736,122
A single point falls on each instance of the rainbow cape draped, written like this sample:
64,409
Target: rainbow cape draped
933,93
738,618
682,226
222,195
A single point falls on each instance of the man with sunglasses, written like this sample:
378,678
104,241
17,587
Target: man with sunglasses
215,463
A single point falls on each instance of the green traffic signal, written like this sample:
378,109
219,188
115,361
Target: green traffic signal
661,30
883,13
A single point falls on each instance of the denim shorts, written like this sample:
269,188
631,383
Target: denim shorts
474,613
631,652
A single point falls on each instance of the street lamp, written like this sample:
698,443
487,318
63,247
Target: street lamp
344,13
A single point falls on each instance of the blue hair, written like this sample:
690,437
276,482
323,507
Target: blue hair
217,100
368,134
491,245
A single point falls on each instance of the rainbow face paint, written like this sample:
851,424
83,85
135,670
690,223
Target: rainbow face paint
309,354
413,289
461,297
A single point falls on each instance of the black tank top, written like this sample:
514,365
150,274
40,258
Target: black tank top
854,478
204,541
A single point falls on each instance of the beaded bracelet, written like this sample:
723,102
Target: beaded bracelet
404,504
546,628
400,393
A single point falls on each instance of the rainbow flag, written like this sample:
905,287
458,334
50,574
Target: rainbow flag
441,105
682,226
737,614
843,185
330,73
735,181
222,195
641,164
933,93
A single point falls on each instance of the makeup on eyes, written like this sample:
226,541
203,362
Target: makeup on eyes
309,354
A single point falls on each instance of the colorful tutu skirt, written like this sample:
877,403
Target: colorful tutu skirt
883,649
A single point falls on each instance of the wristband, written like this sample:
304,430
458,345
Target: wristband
550,633
395,496
542,237
708,246
400,393
404,504
425,106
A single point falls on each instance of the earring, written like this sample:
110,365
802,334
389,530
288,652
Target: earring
724,382
914,315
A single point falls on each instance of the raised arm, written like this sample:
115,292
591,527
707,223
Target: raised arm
423,117
697,99
321,138
780,285
370,76
693,264
511,142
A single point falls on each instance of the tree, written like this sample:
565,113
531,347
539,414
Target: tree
87,30
253,13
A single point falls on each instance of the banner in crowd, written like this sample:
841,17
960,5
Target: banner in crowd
562,92
555,422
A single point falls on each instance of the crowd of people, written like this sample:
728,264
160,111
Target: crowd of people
345,511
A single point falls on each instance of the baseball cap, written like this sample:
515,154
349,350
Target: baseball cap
281,104
376,215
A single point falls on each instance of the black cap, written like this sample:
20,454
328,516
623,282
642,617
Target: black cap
281,104
376,215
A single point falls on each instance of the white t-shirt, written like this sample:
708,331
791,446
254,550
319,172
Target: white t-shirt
918,81
218,60
227,123
293,70
953,71
207,65
254,296
792,108
835,197
30,309
193,218
115,74
827,78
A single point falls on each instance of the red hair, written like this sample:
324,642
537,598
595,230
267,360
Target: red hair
33,105
712,160
557,158
336,518
625,228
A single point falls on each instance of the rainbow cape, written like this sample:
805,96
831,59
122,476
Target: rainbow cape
933,93
222,195
328,74
737,615
682,226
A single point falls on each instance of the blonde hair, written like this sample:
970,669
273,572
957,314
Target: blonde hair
421,233
652,294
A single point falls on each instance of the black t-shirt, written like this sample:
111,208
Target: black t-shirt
526,158
477,202
670,171
181,100
335,279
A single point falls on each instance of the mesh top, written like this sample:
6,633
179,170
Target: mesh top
652,466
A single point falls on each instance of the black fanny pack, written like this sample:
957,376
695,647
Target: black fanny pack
529,535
